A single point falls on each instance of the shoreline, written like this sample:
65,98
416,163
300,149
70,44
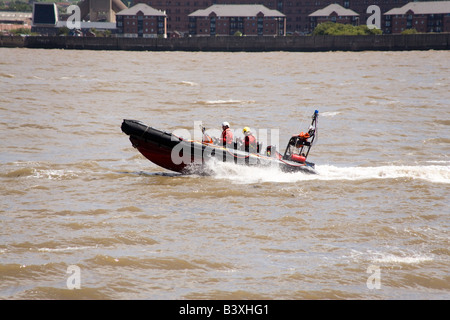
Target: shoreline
433,41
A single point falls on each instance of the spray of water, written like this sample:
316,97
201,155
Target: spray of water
246,174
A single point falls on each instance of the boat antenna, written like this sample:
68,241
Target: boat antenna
313,132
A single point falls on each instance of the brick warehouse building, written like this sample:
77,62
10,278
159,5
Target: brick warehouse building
141,21
421,16
296,11
249,19
334,13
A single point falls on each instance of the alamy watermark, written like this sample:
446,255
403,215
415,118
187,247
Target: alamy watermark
184,153
374,280
74,280
74,20
374,21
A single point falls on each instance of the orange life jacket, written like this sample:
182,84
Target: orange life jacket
227,137
207,139
304,135
250,143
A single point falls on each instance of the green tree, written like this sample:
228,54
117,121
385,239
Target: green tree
409,31
20,31
340,29
63,31
16,5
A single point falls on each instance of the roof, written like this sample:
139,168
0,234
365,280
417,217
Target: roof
429,7
237,10
144,8
338,9
90,24
14,16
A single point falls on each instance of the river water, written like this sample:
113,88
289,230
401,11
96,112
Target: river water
84,216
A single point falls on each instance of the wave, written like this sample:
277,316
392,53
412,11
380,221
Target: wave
431,171
330,113
230,101
244,174
392,258
7,75
406,259
47,170
443,122
439,141
188,83
66,249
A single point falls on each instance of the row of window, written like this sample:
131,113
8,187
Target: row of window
120,23
224,24
253,31
133,30
234,18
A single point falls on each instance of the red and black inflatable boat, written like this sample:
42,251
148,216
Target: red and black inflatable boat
189,156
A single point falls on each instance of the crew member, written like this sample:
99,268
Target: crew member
250,144
227,135
206,138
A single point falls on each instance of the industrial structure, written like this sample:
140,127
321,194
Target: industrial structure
97,14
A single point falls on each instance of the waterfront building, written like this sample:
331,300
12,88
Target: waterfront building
300,16
100,10
98,15
430,16
248,20
298,21
10,20
334,13
141,21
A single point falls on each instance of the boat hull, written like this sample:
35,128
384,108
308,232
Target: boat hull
187,156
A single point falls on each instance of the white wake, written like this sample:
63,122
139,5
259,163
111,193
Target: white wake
246,174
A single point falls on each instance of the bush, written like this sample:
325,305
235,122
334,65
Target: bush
20,31
409,31
339,29
63,31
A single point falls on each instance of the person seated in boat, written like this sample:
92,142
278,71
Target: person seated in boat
295,146
205,137
303,139
250,144
226,139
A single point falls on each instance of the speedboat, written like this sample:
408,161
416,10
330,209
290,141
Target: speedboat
186,156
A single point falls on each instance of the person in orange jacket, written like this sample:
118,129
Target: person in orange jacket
250,144
227,135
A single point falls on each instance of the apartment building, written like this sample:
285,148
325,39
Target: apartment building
334,13
430,16
248,20
296,12
141,21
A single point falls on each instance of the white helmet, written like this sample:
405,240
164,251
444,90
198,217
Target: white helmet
225,124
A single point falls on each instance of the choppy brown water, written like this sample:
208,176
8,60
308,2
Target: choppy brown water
75,193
